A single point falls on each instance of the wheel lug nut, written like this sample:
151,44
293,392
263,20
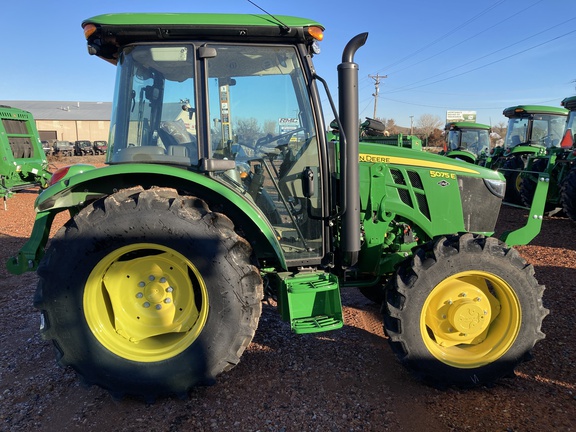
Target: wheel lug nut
142,284
162,280
477,299
158,306
139,295
169,289
463,294
146,305
151,278
167,300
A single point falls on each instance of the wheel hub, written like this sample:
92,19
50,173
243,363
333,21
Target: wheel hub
143,298
467,317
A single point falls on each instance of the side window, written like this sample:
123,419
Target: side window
156,119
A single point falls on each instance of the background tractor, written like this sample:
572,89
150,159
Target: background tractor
533,130
222,188
23,162
558,164
466,140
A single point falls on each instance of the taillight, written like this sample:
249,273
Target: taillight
58,175
567,141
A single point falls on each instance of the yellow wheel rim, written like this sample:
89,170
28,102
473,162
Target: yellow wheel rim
518,182
470,319
145,302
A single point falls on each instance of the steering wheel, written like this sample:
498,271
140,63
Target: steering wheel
268,139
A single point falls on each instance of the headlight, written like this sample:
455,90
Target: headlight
497,187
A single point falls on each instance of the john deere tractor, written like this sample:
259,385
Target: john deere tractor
567,183
23,162
222,188
558,164
533,130
466,140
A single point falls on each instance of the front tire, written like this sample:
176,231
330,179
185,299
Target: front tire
465,311
149,293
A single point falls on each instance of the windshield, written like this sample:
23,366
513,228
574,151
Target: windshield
539,129
474,140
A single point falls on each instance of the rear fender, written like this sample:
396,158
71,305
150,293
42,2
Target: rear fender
75,191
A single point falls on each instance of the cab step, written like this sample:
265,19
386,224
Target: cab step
310,301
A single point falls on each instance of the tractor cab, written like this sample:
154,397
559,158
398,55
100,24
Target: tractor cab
466,140
539,127
238,112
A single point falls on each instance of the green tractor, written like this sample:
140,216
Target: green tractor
222,188
466,141
558,164
568,157
23,162
374,131
533,130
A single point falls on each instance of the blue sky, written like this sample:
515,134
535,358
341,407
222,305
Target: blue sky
440,55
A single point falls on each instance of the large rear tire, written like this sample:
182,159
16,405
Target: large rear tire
465,311
149,293
512,169
568,195
528,184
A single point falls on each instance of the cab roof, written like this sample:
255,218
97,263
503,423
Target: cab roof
569,103
465,125
533,109
106,34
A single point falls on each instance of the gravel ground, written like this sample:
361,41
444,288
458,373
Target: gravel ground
346,380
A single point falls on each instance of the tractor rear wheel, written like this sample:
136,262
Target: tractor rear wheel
149,293
568,195
465,311
511,170
528,185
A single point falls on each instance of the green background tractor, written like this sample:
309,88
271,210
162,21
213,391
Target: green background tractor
532,131
466,141
557,163
23,162
221,188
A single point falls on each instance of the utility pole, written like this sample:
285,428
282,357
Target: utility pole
411,123
376,79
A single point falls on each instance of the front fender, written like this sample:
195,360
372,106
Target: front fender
75,191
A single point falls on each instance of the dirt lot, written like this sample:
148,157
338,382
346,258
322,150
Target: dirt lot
346,380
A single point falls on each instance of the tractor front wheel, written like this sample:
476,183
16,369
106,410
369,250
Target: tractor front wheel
148,293
465,311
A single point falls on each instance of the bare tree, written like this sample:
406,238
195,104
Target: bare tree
427,123
391,126
498,134
248,129
271,127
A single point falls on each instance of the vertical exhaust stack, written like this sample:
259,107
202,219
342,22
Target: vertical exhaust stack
349,153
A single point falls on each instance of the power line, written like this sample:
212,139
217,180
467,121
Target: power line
467,39
413,86
444,36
